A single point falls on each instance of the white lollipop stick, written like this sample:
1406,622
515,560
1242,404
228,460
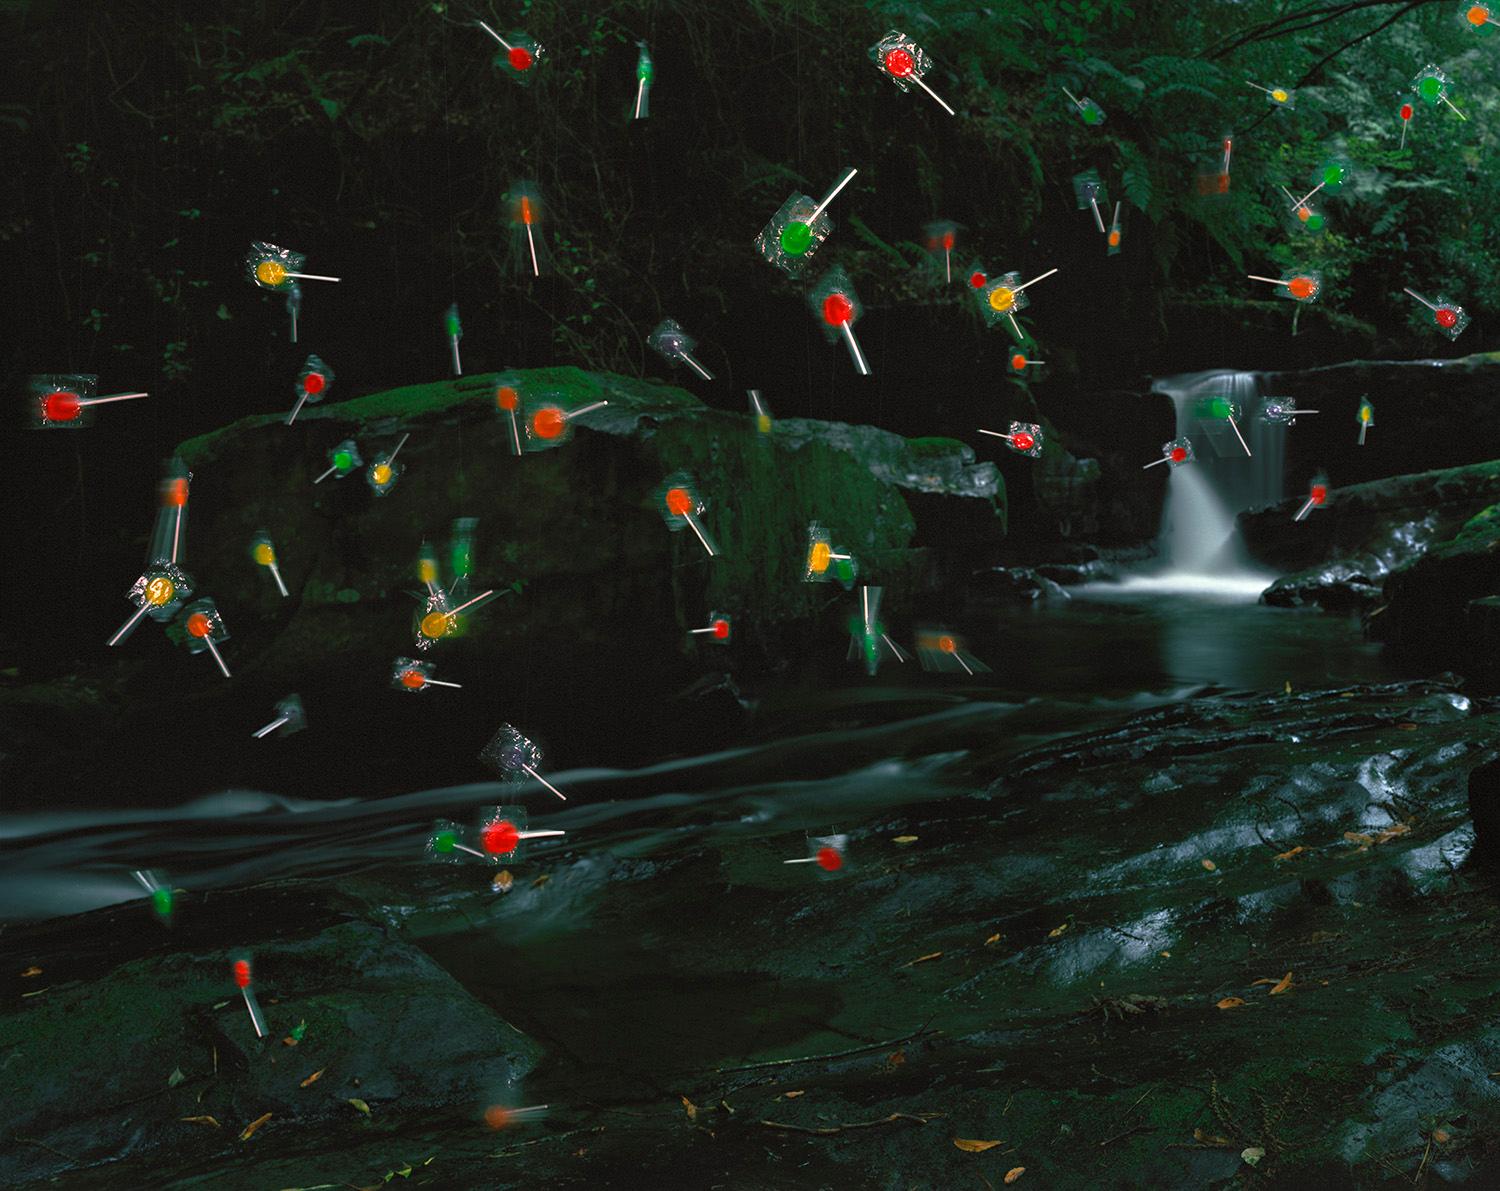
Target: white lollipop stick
129,626
696,367
1363,427
326,474
458,368
457,686
640,94
997,434
1238,435
939,100
515,430
1271,280
391,458
1043,277
1419,298
1309,195
544,781
176,533
702,537
269,728
832,194
536,269
1076,101
218,657
113,397
585,409
860,364
505,44
1156,463
297,409
276,574
1305,509
1456,112
310,277
253,1006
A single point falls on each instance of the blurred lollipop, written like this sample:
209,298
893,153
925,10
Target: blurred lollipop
716,630
263,554
509,754
294,306
502,831
1175,454
205,630
1088,190
525,216
171,516
826,851
67,399
940,650
502,1116
672,343
941,237
518,54
1317,496
1365,418
276,268
158,890
508,402
1114,238
413,677
679,504
158,593
823,561
446,843
290,717
549,425
645,74
833,302
1088,111
1024,438
342,461
1277,97
868,638
761,410
904,62
384,472
241,971
454,330
1221,406
313,383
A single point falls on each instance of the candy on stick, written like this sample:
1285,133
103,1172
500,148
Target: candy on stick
1478,16
1088,111
835,305
158,593
518,54
1303,214
1277,97
427,571
824,561
276,268
904,62
1300,287
413,677
1005,296
826,851
294,306
1113,239
976,277
526,217
1174,454
868,638
1405,112
1317,496
679,504
761,410
343,460
313,383
461,552
290,717
454,330
501,1116
171,518
158,890
508,402
1024,438
1431,86
67,400
1365,418
672,343
436,620
241,970
799,228
1088,190
1448,317
1016,361
645,74
510,755
205,630
502,831
717,629
446,844
550,425
1282,410
942,651
263,553
941,237
383,473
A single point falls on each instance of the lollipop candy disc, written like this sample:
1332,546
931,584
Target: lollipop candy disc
61,407
270,272
1001,298
795,238
837,310
548,423
899,63
679,502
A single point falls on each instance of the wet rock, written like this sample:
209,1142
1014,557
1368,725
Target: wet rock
1334,587
1015,584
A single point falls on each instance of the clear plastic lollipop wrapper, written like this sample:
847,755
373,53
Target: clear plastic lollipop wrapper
1283,411
313,383
799,228
1365,418
385,471
868,639
549,425
413,677
1432,87
205,630
448,843
905,63
293,306
824,562
517,56
682,508
461,554
976,276
760,411
1114,239
514,758
263,554
942,651
1305,286
1447,318
1088,190
1004,297
1087,110
1024,438
1221,408
159,594
941,238
1176,453
278,269
169,533
453,331
240,969
290,717
66,400
675,345
1479,17
827,852
503,830
1302,215
718,629
159,890
505,1116
343,461
437,620
508,406
529,249
837,308
1215,179
1317,497
645,75
1277,96
427,572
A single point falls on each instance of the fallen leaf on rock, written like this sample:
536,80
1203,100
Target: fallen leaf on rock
904,839
690,1108
360,1105
1231,1003
502,881
176,1077
30,972
1057,930
922,959
202,1121
542,880
970,1146
1441,1135
992,939
1392,832
1407,726
1209,1139
792,1095
1252,1154
1360,838
1014,1173
253,1126
1282,985
1209,865
1294,852
313,1078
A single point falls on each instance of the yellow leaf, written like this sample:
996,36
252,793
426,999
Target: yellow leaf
290,1041
360,1105
1166,955
542,880
1407,726
1359,837
1288,855
253,1126
1014,1173
1441,1135
30,972
1210,865
793,1095
1282,985
313,1078
502,881
1262,980
922,959
992,939
1391,833
690,1108
904,839
975,1147
1209,1139
1231,1003
202,1121
1057,930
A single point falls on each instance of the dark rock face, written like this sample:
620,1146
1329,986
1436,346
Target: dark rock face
1335,587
